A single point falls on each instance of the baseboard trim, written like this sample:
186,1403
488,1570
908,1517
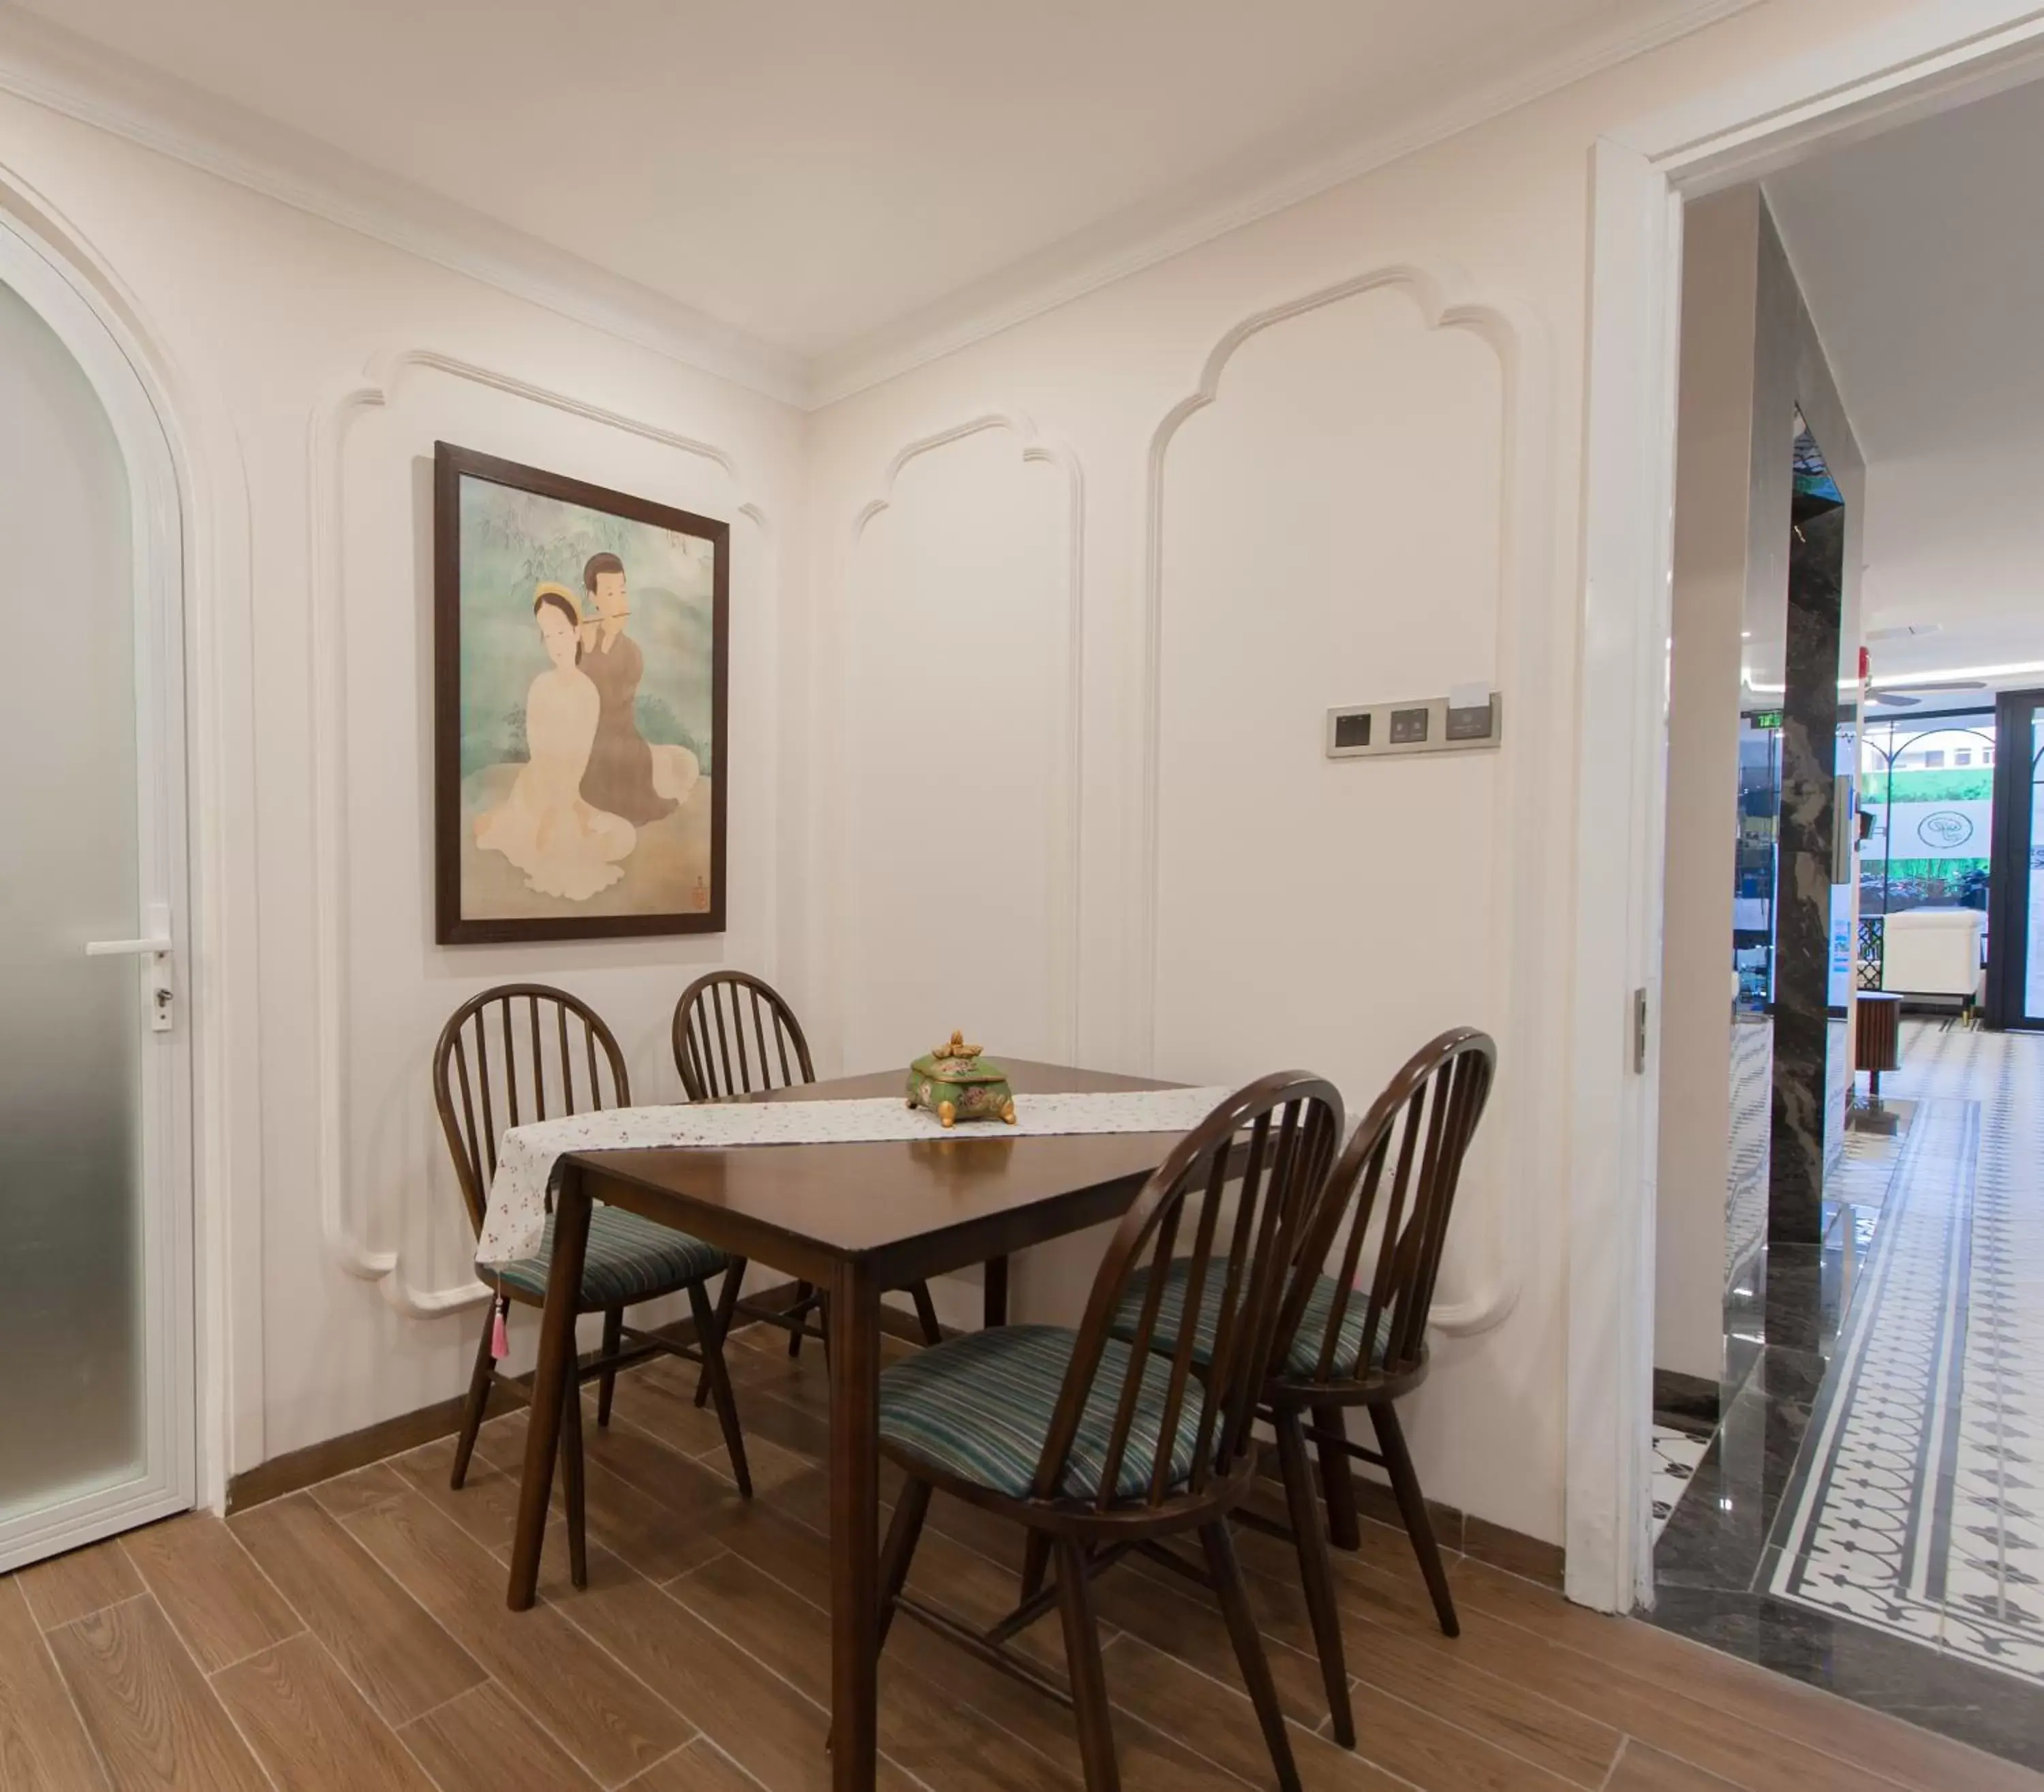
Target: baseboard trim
1685,1402
298,1469
1495,1545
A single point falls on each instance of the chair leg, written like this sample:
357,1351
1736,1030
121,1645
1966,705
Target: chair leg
480,1378
1412,1509
1338,1482
926,1313
727,1311
1036,1562
613,1340
911,1505
1089,1678
803,1291
1316,1571
712,1341
1226,1573
571,1478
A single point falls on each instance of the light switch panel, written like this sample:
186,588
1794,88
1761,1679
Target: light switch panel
1467,719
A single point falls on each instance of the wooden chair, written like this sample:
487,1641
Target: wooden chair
735,1034
1391,1192
523,1052
1098,1444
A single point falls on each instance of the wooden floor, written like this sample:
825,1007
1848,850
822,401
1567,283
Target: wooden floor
354,1637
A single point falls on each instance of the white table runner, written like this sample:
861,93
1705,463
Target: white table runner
528,1155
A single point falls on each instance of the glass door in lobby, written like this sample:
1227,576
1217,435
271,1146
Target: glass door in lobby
2016,935
96,1428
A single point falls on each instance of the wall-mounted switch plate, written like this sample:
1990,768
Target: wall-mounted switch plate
1425,724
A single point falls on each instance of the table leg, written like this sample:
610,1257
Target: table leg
855,1497
557,1361
995,1292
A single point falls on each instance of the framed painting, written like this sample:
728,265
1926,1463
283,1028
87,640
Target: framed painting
580,647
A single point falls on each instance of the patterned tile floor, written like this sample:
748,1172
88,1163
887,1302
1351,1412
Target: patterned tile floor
1676,1454
1918,1504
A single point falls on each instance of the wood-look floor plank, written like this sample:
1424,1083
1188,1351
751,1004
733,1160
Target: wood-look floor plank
1746,1693
150,1715
309,1726
357,1490
762,1723
610,1720
78,1582
42,1745
1522,1722
940,1741
387,1642
216,1598
1641,1769
702,1767
483,1741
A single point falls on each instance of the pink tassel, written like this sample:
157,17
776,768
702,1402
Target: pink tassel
500,1344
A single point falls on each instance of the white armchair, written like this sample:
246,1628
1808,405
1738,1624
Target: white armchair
1932,951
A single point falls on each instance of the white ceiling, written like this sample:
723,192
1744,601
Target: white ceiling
817,172
1921,255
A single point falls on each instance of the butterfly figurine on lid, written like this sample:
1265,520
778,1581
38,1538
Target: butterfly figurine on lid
956,1083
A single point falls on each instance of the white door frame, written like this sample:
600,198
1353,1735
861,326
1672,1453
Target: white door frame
1934,57
167,1482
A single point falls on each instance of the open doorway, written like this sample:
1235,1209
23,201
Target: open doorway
1846,1466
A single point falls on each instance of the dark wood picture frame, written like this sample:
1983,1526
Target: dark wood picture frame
451,466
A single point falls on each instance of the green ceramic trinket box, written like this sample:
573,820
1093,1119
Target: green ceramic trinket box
956,1083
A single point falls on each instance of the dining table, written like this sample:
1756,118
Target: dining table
853,1220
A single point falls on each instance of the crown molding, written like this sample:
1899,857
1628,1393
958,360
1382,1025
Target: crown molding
1298,169
59,70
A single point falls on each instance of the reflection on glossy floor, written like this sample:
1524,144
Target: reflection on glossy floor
1867,1518
355,1636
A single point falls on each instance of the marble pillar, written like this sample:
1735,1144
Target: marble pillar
1803,878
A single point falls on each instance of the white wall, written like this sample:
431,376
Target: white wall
1329,457
1215,471
287,348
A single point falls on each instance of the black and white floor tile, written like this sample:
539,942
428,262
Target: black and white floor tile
1918,1507
1676,1454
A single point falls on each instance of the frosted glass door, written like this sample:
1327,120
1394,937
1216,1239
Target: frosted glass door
86,1393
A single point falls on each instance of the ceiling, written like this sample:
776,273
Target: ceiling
1920,253
817,173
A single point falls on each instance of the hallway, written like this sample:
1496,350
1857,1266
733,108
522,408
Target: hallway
1882,1538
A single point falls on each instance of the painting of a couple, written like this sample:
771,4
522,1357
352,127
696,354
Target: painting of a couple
581,666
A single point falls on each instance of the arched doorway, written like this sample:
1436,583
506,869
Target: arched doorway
96,1397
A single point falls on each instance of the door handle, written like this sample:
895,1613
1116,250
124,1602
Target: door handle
157,947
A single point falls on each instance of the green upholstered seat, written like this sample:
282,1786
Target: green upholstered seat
1302,1359
630,1259
979,1408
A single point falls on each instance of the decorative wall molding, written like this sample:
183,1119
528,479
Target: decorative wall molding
68,74
1035,449
1523,585
326,678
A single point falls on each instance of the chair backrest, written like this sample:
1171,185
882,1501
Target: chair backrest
1273,1141
514,1054
735,1034
1396,1182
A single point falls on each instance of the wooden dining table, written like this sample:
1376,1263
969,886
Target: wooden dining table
854,1220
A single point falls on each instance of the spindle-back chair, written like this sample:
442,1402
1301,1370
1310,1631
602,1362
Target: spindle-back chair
735,1034
521,1052
1100,1444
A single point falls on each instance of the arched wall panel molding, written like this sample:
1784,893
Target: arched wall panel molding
1349,508
382,987
957,836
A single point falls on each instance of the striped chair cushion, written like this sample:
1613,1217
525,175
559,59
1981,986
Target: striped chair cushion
979,1408
1302,1357
630,1259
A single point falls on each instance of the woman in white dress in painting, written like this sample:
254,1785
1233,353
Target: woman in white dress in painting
566,847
